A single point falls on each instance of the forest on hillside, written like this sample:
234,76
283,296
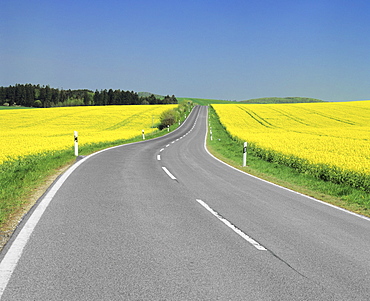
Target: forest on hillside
29,95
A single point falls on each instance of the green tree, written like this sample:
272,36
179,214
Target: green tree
86,98
152,100
97,98
42,95
47,102
10,95
30,95
105,97
110,97
37,103
62,96
20,94
2,94
55,96
167,118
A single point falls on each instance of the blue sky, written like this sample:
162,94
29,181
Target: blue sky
230,49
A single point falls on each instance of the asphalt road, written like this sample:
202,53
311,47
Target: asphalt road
164,220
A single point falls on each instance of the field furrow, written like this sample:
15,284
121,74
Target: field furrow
28,132
328,140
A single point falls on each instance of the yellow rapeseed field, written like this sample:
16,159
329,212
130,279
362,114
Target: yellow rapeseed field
335,135
25,132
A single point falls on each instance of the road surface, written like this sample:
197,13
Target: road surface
164,220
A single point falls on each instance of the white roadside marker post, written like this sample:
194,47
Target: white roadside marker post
168,128
76,143
245,154
143,134
211,134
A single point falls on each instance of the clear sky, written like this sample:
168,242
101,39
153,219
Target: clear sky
221,49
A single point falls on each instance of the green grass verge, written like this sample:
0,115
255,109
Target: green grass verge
19,179
229,150
14,108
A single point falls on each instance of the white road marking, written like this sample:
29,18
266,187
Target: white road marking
159,157
282,187
161,150
233,227
14,253
173,141
10,260
168,173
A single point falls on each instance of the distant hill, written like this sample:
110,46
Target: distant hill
147,94
280,100
204,102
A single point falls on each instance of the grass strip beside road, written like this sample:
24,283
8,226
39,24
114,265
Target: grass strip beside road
229,150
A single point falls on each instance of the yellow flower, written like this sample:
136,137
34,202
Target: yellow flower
333,134
25,132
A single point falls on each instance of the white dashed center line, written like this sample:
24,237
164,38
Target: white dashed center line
168,173
233,227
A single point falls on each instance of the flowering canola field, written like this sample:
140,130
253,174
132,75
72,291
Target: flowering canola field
26,132
330,140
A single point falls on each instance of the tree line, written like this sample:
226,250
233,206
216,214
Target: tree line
29,95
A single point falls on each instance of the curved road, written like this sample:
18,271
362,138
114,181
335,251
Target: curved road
164,220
